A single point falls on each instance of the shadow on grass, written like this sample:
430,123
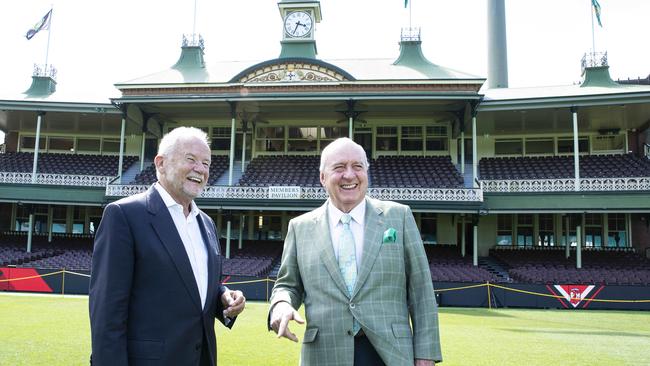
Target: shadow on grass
474,312
578,332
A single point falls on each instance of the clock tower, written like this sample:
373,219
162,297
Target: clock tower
299,18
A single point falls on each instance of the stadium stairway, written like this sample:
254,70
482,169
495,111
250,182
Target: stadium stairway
497,269
467,177
236,175
134,169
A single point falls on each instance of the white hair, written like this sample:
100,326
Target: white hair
170,140
338,143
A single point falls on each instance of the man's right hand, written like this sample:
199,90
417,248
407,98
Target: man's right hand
282,313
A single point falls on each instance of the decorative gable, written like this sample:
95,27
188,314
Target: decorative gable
291,70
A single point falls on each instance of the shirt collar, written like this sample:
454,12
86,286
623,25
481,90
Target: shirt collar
169,201
357,213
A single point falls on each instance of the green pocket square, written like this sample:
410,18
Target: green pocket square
390,236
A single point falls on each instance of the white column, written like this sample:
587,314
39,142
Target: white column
567,248
144,140
628,229
36,146
462,153
243,152
228,239
475,254
232,150
474,154
121,156
50,219
29,233
241,232
463,239
576,150
605,230
579,247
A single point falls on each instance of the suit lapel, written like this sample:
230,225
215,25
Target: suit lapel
374,222
164,226
326,248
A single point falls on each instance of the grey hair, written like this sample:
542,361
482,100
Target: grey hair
170,140
338,143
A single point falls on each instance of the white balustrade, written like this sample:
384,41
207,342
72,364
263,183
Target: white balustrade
56,179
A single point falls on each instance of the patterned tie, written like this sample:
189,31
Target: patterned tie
347,257
348,261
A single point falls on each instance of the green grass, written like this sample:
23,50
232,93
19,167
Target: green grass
54,330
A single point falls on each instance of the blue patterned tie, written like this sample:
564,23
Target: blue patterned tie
347,260
347,257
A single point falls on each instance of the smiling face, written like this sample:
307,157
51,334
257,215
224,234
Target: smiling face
344,174
184,170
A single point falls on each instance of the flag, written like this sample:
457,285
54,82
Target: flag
40,25
596,6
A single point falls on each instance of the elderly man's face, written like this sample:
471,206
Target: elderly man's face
185,171
345,176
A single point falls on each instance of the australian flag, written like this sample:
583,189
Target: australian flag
40,25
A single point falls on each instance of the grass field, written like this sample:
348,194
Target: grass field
54,330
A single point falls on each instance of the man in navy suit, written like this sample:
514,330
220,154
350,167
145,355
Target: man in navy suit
155,286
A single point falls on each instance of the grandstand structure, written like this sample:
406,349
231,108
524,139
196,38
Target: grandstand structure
514,185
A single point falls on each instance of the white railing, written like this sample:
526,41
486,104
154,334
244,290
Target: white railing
567,185
317,193
56,179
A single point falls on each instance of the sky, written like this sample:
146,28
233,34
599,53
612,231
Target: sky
95,44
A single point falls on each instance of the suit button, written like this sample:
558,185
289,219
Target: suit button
352,305
197,346
349,332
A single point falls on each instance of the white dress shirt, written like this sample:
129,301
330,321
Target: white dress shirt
190,233
356,226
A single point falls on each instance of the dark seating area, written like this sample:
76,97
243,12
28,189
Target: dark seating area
256,258
72,251
282,170
386,171
218,167
447,265
414,171
72,164
544,265
556,167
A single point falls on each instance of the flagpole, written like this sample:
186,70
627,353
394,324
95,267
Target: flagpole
49,32
410,15
194,25
593,37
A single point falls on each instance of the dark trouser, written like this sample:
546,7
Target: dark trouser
364,353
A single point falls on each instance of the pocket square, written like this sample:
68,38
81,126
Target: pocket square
390,236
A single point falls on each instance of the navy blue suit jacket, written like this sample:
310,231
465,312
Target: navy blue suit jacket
145,307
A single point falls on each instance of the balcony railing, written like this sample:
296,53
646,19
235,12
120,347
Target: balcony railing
593,59
567,185
56,179
311,193
45,71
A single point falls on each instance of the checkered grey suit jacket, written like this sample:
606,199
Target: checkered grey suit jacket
393,286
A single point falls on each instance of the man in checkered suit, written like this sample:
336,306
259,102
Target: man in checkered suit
390,317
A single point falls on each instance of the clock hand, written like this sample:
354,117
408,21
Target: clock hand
296,28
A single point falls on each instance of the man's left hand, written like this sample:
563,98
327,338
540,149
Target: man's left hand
421,362
233,302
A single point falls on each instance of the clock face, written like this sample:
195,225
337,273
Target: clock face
297,24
